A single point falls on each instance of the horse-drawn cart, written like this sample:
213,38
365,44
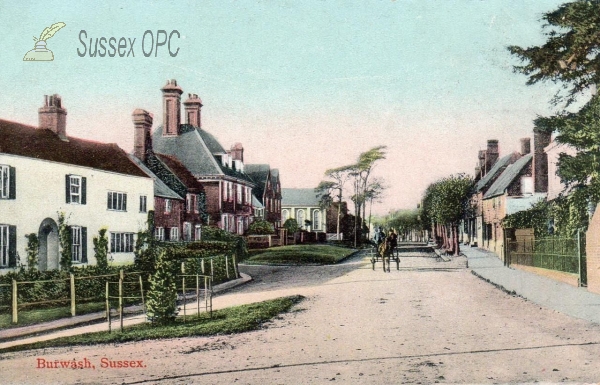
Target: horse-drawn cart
386,256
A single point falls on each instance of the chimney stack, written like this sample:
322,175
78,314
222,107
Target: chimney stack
142,137
492,154
237,152
540,160
53,117
171,108
525,146
193,108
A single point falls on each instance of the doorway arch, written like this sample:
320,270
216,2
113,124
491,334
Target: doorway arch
48,253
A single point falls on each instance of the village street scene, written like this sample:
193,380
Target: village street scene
399,192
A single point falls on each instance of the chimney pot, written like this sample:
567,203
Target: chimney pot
525,146
142,138
53,117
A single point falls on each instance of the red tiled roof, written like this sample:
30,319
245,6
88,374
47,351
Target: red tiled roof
180,171
23,140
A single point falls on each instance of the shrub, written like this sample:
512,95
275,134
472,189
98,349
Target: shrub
261,227
101,248
162,296
33,250
291,225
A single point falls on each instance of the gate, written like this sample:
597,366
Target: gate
553,253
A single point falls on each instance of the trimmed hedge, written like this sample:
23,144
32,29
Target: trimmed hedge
93,289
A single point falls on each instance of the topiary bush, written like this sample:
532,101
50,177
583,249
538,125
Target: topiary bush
161,303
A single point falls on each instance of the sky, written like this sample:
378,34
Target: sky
305,86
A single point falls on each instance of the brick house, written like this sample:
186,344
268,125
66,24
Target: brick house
179,213
302,204
486,175
267,192
519,186
46,172
227,187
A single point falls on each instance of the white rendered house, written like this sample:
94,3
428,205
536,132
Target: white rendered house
95,185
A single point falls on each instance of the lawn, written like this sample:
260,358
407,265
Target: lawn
301,254
236,319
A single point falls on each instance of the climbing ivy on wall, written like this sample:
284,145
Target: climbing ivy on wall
32,250
64,241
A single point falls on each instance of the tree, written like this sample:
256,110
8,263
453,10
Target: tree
162,296
374,192
571,57
291,225
446,202
335,185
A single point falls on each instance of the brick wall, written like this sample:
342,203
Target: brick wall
172,219
593,253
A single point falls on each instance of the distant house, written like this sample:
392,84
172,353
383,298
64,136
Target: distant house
46,172
227,187
473,228
518,187
302,204
267,192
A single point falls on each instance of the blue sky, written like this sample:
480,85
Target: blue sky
304,85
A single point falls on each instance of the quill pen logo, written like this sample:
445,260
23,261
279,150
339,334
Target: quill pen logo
40,52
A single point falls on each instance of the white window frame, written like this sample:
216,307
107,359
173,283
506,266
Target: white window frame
300,222
239,193
159,233
316,223
198,233
143,204
4,182
174,234
76,244
117,201
187,231
285,214
168,206
75,186
4,245
225,222
121,242
230,191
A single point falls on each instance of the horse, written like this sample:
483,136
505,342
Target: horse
385,252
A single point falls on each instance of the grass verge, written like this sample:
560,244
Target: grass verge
236,319
36,316
301,254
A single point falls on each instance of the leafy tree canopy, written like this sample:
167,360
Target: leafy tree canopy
570,54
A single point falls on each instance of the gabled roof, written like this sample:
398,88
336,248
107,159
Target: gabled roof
259,174
508,176
32,142
196,150
160,188
179,170
299,197
256,203
495,171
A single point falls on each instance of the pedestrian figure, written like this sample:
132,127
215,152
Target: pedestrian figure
392,240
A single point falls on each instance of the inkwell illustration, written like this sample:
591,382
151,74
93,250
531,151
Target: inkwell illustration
40,52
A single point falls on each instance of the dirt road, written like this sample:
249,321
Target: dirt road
429,322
